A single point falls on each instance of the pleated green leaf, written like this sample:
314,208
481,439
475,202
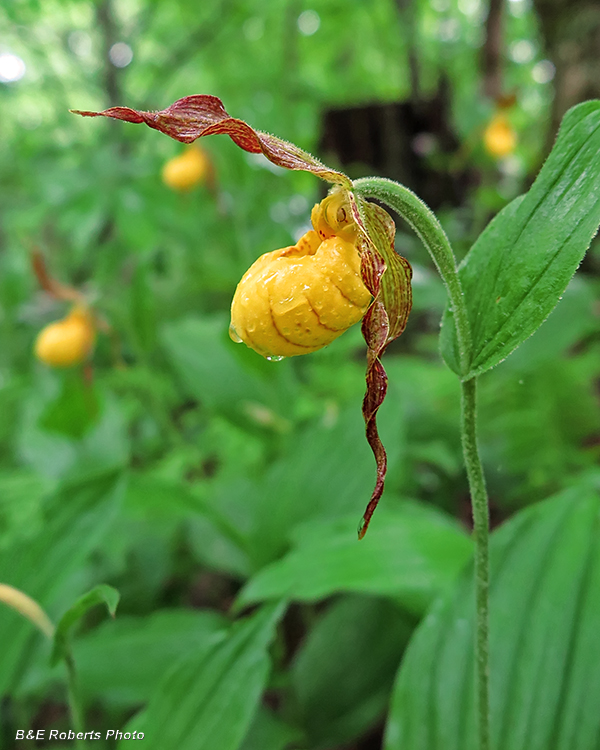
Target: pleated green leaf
269,732
545,649
343,673
74,521
516,272
409,554
209,698
122,660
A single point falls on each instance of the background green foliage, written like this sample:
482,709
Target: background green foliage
198,479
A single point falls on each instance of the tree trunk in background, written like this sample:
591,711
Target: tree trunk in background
108,28
493,50
407,12
393,139
571,34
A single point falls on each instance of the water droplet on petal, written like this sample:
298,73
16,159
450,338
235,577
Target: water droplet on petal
233,335
275,358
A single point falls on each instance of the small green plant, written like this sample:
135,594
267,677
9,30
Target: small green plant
60,636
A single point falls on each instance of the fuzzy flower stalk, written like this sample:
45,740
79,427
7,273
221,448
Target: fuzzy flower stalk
298,299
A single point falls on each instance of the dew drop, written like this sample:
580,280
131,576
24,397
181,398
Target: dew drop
233,335
275,358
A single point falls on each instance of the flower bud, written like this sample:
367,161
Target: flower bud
187,170
300,298
67,342
499,138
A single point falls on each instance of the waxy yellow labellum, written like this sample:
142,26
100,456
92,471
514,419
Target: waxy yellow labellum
67,342
300,298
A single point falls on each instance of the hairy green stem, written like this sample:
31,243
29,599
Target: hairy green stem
428,229
481,526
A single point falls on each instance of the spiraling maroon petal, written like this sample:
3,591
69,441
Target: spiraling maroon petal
197,116
387,276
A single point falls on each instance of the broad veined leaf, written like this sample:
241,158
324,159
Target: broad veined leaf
142,311
209,698
54,454
343,674
269,732
74,521
75,410
542,429
326,471
520,265
572,320
323,471
212,371
121,661
545,650
22,493
410,554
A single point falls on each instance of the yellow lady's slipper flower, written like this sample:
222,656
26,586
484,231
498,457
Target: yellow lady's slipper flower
299,299
499,138
67,342
187,170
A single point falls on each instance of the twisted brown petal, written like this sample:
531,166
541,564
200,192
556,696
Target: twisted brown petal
196,116
387,276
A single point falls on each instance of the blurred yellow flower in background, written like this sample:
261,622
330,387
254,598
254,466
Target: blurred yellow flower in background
499,138
69,341
187,170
